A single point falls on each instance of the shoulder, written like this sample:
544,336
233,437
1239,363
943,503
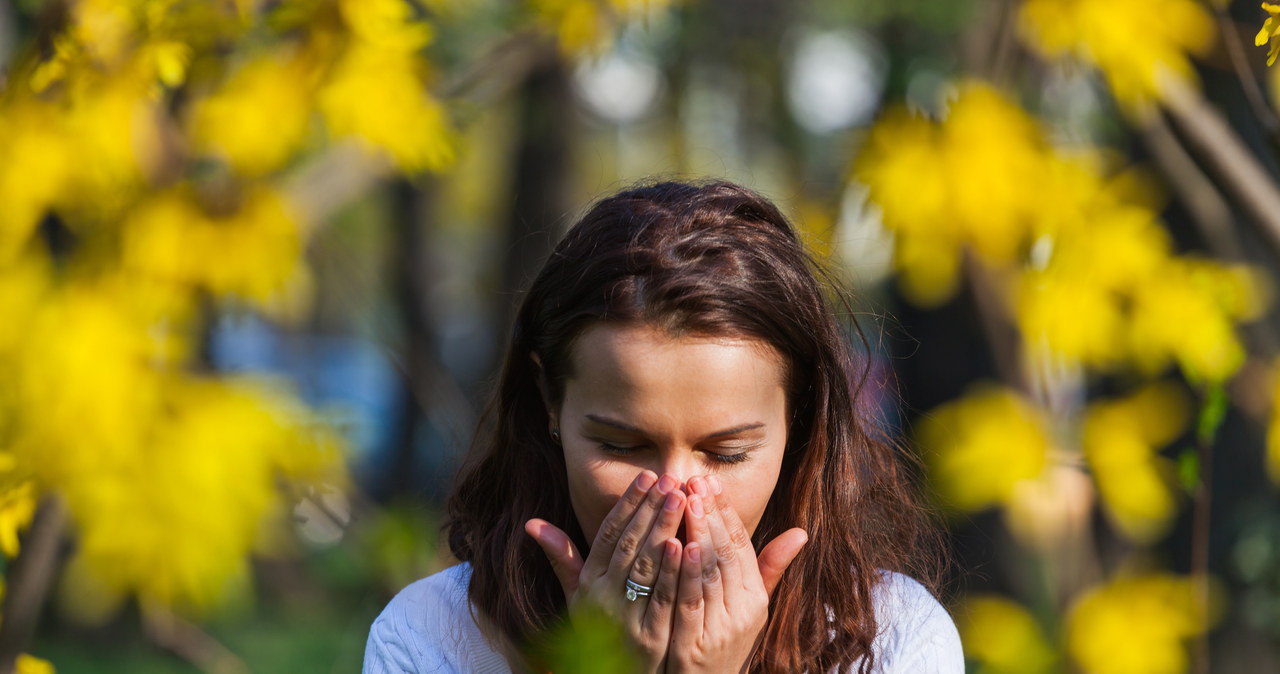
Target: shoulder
428,627
916,633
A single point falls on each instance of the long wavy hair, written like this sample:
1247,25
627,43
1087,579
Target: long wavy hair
709,259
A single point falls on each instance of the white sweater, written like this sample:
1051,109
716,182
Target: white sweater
428,628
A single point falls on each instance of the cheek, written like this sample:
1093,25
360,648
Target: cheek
593,491
749,493
750,505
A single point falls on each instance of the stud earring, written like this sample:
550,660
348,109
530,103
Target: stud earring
555,433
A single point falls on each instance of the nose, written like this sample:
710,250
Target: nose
679,465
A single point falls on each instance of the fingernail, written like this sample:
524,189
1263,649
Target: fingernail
715,485
695,505
673,503
698,486
666,484
645,480
695,552
672,548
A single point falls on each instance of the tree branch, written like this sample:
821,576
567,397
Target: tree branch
340,174
1218,144
30,579
169,631
1248,81
1209,211
1002,335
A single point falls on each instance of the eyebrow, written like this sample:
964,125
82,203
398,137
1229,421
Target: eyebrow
614,423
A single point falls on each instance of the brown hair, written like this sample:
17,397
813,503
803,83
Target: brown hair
704,259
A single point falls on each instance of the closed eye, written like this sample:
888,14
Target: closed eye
620,450
714,457
737,457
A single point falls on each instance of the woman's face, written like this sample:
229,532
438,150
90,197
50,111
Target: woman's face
640,399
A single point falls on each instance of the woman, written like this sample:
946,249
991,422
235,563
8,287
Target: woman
675,440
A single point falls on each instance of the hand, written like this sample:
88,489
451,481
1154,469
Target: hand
636,540
724,589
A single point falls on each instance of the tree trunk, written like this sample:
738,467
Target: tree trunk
541,206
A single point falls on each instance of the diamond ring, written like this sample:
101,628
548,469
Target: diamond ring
636,590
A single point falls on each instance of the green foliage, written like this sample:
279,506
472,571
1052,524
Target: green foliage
1189,470
592,643
1212,413
943,17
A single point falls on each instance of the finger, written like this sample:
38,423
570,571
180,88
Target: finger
699,532
728,558
615,523
560,550
657,618
639,532
737,531
778,555
688,624
645,569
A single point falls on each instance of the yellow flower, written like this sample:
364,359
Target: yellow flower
1119,247
1270,31
259,118
1093,267
54,68
928,268
386,23
377,97
1121,439
994,157
104,27
1132,44
1135,626
638,7
23,286
252,253
1070,317
969,182
17,507
1180,314
586,25
169,59
1072,190
176,518
376,92
1001,635
982,446
899,164
1112,262
39,160
578,25
84,384
29,664
114,130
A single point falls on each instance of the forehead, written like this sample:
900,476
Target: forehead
625,363
630,349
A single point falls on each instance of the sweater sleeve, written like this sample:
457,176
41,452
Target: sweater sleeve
916,635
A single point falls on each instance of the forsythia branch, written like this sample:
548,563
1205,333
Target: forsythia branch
31,577
189,642
1219,144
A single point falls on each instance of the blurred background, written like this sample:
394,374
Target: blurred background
258,261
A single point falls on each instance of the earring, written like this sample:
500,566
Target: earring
555,433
